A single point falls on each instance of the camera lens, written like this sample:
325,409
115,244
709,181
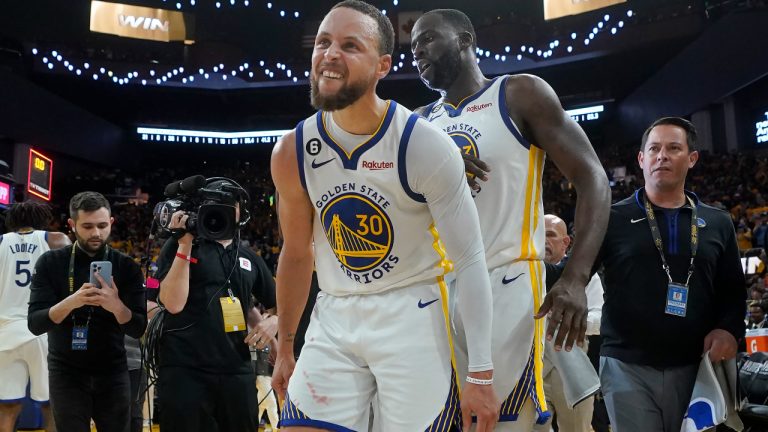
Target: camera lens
217,221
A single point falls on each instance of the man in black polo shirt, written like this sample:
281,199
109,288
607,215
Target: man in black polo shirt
674,288
206,378
88,372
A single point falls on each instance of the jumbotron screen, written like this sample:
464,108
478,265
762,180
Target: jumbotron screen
40,175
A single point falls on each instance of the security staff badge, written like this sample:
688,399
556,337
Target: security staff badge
677,299
79,337
234,320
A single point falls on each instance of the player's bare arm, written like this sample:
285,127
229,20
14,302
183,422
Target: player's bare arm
536,109
294,270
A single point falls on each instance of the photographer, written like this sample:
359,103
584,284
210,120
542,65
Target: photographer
206,379
88,372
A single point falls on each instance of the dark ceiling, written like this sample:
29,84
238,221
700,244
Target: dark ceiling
607,70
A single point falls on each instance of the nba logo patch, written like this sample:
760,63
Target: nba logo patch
245,264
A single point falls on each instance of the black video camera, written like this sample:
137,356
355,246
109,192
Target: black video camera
210,203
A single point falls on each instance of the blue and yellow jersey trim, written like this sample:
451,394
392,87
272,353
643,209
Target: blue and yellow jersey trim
450,417
447,266
455,110
448,420
529,253
290,415
300,153
525,388
350,160
504,112
402,150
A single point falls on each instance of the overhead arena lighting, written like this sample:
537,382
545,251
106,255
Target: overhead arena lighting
209,137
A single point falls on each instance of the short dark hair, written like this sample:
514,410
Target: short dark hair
28,214
458,20
688,127
386,31
88,202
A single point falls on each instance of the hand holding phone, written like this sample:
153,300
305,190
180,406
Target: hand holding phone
104,268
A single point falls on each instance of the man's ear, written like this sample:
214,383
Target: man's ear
693,157
385,64
466,40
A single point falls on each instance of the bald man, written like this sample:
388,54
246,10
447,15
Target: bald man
569,377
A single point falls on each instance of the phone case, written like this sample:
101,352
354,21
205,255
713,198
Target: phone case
105,270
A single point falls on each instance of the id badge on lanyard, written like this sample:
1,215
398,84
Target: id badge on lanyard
677,293
232,311
79,331
80,337
677,299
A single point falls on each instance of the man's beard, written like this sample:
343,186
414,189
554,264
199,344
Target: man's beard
346,96
445,70
88,246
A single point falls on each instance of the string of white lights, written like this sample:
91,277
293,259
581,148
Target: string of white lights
280,71
529,51
244,71
270,5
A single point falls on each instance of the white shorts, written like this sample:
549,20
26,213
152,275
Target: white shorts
393,345
517,292
24,364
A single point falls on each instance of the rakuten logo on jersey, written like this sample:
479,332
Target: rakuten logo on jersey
378,165
474,108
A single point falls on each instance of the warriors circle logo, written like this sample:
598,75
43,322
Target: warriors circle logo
358,230
466,143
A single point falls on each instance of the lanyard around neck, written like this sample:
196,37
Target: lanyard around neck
71,272
660,245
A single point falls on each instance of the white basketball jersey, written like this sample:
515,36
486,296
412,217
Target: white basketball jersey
18,255
509,203
371,231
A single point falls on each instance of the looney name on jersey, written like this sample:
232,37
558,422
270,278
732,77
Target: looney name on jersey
22,248
359,231
351,187
463,127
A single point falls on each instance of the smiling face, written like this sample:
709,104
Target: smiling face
665,158
346,62
437,51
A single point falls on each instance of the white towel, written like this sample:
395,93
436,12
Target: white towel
714,399
580,381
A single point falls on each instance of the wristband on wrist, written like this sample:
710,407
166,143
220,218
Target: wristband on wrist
479,381
187,258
